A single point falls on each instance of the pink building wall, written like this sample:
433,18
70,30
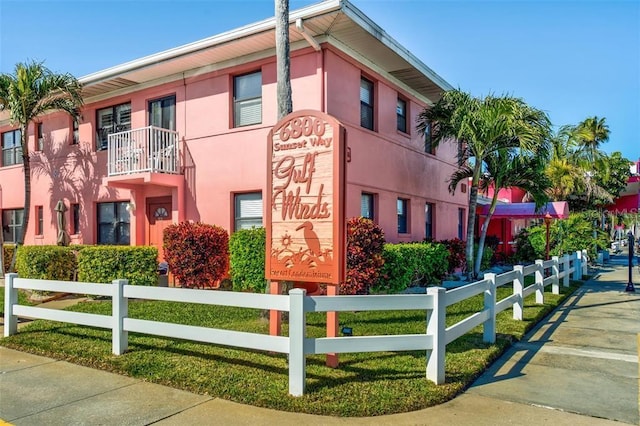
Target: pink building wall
220,161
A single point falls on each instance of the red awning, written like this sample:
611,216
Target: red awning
557,210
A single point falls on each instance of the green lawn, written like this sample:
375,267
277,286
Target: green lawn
365,384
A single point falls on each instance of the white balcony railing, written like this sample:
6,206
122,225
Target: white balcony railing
147,149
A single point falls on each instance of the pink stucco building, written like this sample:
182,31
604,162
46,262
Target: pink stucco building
182,135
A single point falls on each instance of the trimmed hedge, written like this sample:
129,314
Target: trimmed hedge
246,257
407,265
8,255
103,264
46,262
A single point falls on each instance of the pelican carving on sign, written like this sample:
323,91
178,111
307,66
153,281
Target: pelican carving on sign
310,238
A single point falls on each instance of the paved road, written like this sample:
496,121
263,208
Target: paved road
579,367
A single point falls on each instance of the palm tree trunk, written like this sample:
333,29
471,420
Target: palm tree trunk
27,193
483,233
282,58
471,219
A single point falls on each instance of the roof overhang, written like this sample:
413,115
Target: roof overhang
336,22
556,209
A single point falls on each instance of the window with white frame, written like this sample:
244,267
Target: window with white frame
39,137
162,112
367,205
247,99
11,148
366,103
75,131
403,216
12,224
113,119
113,223
248,210
401,115
39,220
428,219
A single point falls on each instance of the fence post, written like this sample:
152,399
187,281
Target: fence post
555,274
437,329
297,329
10,299
518,288
577,266
584,260
489,326
567,268
120,306
539,281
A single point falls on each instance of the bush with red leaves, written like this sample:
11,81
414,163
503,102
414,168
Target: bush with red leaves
365,242
457,254
197,253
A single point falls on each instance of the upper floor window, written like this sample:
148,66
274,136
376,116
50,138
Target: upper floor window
75,131
366,205
401,115
428,218
112,120
403,216
75,218
39,220
247,99
162,113
248,210
39,137
12,224
428,140
11,148
113,223
366,103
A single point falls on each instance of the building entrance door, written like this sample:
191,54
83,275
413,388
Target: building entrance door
159,217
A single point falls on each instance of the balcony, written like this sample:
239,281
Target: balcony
144,150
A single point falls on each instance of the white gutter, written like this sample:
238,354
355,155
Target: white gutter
312,41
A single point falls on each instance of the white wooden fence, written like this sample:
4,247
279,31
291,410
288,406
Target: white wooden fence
434,341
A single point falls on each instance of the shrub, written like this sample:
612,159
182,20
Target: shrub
46,262
8,249
457,257
408,265
246,258
197,253
365,242
103,264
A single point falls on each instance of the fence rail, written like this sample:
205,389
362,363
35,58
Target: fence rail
297,345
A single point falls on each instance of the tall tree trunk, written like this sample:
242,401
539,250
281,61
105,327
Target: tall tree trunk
285,105
483,233
471,219
27,193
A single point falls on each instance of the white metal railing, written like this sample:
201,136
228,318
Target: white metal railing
434,340
147,149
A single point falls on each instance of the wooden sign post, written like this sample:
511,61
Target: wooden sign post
305,219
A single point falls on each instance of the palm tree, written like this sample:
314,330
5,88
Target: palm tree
283,61
33,90
589,135
483,126
507,169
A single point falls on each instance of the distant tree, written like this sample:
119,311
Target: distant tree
482,126
615,175
31,91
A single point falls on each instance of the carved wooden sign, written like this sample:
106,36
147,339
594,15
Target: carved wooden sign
305,199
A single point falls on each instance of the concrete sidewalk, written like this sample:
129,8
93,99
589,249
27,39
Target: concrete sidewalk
579,366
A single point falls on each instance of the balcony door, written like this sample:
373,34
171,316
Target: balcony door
162,113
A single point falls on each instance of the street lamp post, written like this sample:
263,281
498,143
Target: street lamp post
547,222
630,287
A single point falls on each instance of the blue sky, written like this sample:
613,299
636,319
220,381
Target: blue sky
572,59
